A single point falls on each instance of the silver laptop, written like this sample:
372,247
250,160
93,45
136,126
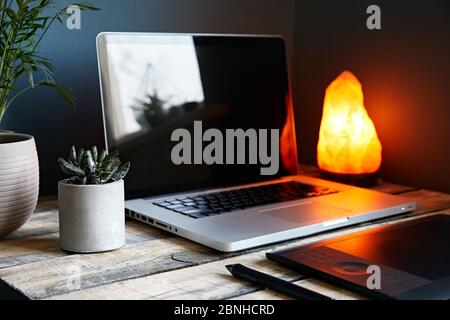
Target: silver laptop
207,123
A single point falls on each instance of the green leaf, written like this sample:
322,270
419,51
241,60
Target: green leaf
59,18
112,165
111,155
73,155
121,172
80,156
5,87
29,72
90,163
45,64
73,180
105,177
94,153
70,169
93,179
63,92
102,157
20,4
44,3
11,13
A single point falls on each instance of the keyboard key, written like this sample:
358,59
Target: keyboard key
174,206
196,215
196,198
200,211
185,209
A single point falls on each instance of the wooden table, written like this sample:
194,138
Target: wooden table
157,265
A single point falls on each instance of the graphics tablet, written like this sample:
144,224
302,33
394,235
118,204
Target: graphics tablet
413,259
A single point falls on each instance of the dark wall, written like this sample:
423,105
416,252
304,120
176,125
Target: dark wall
56,127
404,69
405,72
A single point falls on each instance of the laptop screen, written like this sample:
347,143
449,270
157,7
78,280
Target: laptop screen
161,94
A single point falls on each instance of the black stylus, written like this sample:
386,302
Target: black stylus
242,272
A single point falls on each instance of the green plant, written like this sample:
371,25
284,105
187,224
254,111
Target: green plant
90,167
152,104
23,25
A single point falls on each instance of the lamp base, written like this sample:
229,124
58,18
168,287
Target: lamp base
360,180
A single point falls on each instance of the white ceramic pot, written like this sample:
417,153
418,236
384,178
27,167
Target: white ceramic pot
91,217
19,180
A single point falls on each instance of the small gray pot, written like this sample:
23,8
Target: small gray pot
91,217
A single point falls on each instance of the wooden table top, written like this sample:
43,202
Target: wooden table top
155,264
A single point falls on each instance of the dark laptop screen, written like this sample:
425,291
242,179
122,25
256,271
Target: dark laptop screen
155,84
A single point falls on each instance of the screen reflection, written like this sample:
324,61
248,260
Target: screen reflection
154,84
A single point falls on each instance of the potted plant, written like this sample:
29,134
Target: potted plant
91,201
23,24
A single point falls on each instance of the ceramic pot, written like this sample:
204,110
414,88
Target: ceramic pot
19,180
91,217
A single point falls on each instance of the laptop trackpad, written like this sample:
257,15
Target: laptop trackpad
305,213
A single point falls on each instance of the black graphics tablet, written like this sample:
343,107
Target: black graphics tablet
406,260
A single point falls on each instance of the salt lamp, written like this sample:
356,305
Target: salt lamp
349,149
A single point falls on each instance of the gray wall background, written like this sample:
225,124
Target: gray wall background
404,69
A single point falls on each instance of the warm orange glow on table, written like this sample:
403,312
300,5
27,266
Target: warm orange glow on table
348,141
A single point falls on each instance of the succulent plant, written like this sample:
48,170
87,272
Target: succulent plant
91,167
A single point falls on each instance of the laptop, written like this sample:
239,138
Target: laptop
207,123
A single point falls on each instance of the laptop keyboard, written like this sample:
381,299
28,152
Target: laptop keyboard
208,204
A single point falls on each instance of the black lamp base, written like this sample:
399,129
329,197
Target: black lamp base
360,180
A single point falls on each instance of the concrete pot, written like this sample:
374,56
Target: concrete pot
19,180
91,217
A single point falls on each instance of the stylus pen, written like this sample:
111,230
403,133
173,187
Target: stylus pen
279,285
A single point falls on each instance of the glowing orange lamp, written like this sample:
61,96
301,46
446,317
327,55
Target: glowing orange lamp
349,149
